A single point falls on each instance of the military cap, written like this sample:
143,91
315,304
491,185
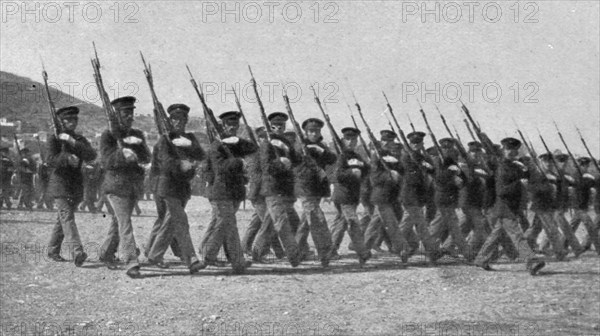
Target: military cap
446,142
260,132
388,134
67,111
230,115
475,146
25,150
584,160
562,157
124,102
290,136
312,122
545,156
350,131
278,115
178,109
511,143
416,137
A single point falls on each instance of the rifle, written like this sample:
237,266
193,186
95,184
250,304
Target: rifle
459,145
209,115
114,118
470,130
362,140
529,148
371,137
554,163
42,156
489,148
338,144
562,139
588,149
411,153
57,125
295,125
163,123
444,121
412,126
433,138
263,114
248,129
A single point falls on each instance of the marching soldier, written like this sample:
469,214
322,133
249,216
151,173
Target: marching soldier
508,197
277,159
542,186
448,181
414,196
174,160
349,172
311,186
227,192
26,171
6,172
122,184
583,186
65,155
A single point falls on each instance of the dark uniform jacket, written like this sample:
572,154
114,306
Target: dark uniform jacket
562,193
6,171
122,178
347,186
508,189
43,172
311,181
67,181
583,193
414,190
254,172
276,179
446,189
26,170
543,193
171,180
385,189
228,180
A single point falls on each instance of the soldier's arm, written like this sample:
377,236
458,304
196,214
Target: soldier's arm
196,152
222,162
83,149
111,156
55,157
143,152
245,147
269,162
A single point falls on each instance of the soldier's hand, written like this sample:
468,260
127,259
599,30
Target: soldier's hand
355,162
458,181
356,172
231,140
454,168
280,144
481,172
551,177
318,148
286,162
67,138
131,140
588,176
186,165
427,165
520,165
395,175
569,178
129,155
182,142
73,160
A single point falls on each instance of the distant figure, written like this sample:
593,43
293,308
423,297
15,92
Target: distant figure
91,178
7,169
43,176
26,171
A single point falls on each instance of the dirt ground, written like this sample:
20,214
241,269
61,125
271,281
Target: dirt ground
43,297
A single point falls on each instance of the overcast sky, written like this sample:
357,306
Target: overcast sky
543,56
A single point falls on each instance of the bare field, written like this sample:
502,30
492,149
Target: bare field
382,298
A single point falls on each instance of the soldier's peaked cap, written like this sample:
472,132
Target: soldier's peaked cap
230,115
584,160
124,102
67,111
511,143
562,157
350,131
278,115
545,156
446,142
475,146
313,122
178,108
416,137
388,133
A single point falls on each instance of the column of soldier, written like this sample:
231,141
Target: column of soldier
450,199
